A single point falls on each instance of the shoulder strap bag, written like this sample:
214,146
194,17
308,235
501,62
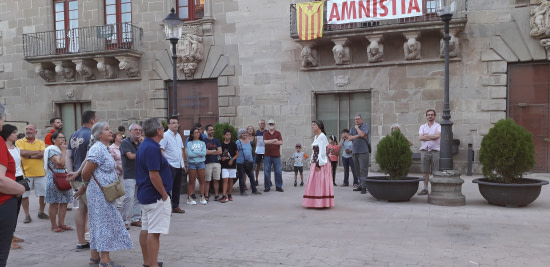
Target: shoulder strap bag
111,191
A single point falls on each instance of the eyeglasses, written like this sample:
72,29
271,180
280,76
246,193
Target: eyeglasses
60,138
430,114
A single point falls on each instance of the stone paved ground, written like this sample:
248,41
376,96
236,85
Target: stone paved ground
274,230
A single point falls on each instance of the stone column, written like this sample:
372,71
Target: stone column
446,189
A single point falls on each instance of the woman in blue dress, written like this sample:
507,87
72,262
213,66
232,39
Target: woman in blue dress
54,160
107,230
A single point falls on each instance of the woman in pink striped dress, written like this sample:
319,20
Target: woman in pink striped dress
319,191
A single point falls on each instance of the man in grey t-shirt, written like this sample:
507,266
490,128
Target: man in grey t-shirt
360,145
347,147
131,210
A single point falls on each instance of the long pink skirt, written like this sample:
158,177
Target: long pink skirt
319,191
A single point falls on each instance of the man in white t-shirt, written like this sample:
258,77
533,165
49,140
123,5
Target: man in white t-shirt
260,148
429,135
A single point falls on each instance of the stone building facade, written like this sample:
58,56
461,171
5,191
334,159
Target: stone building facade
241,61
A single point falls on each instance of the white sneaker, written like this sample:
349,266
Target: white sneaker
191,202
203,201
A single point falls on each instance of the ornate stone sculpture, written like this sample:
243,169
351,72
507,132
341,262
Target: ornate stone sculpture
129,65
190,48
189,69
47,74
412,49
340,52
190,52
375,53
84,69
108,67
540,19
453,47
309,57
65,70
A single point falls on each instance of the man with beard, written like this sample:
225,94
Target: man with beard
56,126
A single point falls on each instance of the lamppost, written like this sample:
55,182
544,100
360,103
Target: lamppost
445,10
172,28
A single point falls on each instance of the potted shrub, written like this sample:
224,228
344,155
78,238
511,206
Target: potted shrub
394,157
506,153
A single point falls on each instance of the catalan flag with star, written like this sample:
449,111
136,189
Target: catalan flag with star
310,20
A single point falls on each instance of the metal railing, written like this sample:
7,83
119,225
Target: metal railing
82,40
429,15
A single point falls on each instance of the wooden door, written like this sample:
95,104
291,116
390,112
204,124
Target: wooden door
529,98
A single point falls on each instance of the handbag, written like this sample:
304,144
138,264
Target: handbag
112,191
24,181
248,165
60,180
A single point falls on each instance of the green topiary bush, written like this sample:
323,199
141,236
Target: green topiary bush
507,151
394,155
218,131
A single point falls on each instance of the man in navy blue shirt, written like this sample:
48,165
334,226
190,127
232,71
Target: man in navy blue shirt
154,181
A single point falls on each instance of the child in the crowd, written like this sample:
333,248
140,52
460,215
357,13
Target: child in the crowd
333,151
299,157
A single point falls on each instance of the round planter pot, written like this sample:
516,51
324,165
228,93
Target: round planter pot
510,195
382,188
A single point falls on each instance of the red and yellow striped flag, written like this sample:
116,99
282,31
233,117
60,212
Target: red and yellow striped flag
310,20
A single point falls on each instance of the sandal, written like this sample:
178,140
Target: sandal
94,262
65,227
58,229
110,264
14,245
17,239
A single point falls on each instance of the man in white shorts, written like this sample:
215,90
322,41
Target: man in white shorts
154,180
213,167
32,153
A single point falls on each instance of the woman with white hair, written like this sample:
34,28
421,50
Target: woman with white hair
107,230
10,190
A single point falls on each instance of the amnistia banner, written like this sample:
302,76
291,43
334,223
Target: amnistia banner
348,11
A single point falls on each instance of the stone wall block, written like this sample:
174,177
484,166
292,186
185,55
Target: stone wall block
490,55
223,81
497,67
494,105
432,94
223,101
497,115
228,71
2,84
228,111
434,83
226,91
496,92
495,79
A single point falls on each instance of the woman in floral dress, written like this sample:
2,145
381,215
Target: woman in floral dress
319,191
107,231
54,160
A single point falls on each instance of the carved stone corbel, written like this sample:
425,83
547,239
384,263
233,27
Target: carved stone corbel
412,47
540,20
47,74
375,50
190,51
453,44
309,55
65,70
130,65
546,44
341,51
85,67
107,66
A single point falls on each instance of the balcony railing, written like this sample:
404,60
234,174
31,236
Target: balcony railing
429,15
83,40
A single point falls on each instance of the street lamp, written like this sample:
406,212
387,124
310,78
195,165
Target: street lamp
445,10
172,28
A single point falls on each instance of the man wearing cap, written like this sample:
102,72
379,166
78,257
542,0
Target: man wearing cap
272,157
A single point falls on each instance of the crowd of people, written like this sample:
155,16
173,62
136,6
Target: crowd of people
150,164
